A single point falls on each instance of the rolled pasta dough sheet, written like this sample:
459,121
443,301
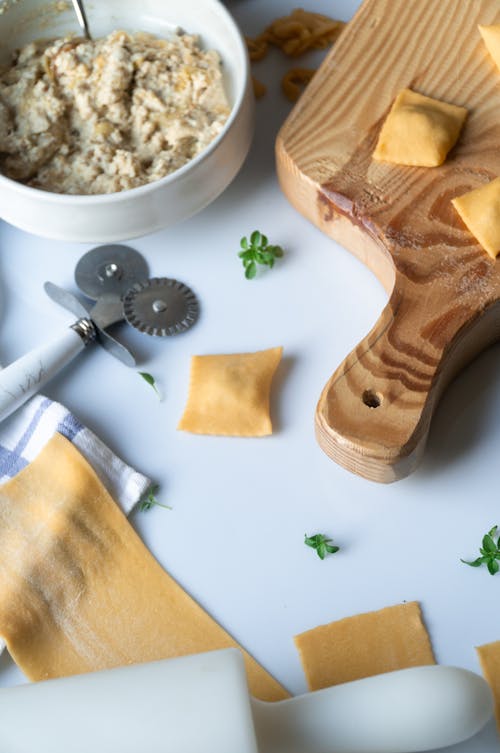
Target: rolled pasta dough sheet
79,591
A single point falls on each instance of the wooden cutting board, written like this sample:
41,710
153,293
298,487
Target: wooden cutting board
374,414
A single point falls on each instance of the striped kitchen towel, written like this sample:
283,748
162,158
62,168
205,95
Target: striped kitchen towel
26,432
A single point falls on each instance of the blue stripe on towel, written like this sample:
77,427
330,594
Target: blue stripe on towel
25,438
69,426
10,462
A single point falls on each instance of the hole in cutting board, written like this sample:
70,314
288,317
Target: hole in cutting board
372,399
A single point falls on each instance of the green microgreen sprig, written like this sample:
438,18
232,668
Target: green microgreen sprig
321,543
151,381
258,251
490,553
150,500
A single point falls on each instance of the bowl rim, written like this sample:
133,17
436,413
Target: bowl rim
117,196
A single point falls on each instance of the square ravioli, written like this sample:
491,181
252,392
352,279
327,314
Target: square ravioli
419,131
491,38
480,211
229,394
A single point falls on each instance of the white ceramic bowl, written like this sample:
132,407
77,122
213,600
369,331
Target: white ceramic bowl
119,216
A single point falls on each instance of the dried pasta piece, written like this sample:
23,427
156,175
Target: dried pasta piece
259,89
489,658
79,591
295,81
491,38
296,34
480,211
257,48
419,131
292,37
302,31
365,645
229,394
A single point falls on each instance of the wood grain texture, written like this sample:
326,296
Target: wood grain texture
374,414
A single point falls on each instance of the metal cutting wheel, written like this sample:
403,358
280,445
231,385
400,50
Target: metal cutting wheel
157,306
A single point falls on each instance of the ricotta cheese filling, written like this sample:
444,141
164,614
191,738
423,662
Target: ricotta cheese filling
95,117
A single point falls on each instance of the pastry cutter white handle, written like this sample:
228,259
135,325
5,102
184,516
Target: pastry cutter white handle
27,375
23,378
200,704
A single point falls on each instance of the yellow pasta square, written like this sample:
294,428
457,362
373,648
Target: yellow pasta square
229,394
491,38
419,131
480,210
365,645
489,657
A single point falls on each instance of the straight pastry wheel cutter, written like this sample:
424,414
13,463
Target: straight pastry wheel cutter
116,278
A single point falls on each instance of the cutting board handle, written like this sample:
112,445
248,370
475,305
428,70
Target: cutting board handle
374,414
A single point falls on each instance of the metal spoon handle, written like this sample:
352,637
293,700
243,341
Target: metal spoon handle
82,18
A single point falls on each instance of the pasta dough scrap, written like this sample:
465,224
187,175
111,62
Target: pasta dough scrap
79,591
365,645
419,131
491,38
229,394
489,657
480,211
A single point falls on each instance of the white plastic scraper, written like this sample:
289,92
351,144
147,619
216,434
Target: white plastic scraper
200,704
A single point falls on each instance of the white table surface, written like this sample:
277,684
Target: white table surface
234,538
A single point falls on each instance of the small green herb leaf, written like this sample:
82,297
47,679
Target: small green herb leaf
331,549
256,239
490,553
492,566
250,270
151,381
150,500
321,543
475,563
257,251
488,544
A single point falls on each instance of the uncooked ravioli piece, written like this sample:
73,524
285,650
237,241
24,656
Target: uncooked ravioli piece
419,131
480,211
229,394
365,645
491,38
80,592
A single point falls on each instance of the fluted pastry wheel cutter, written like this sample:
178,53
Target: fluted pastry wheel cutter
116,279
